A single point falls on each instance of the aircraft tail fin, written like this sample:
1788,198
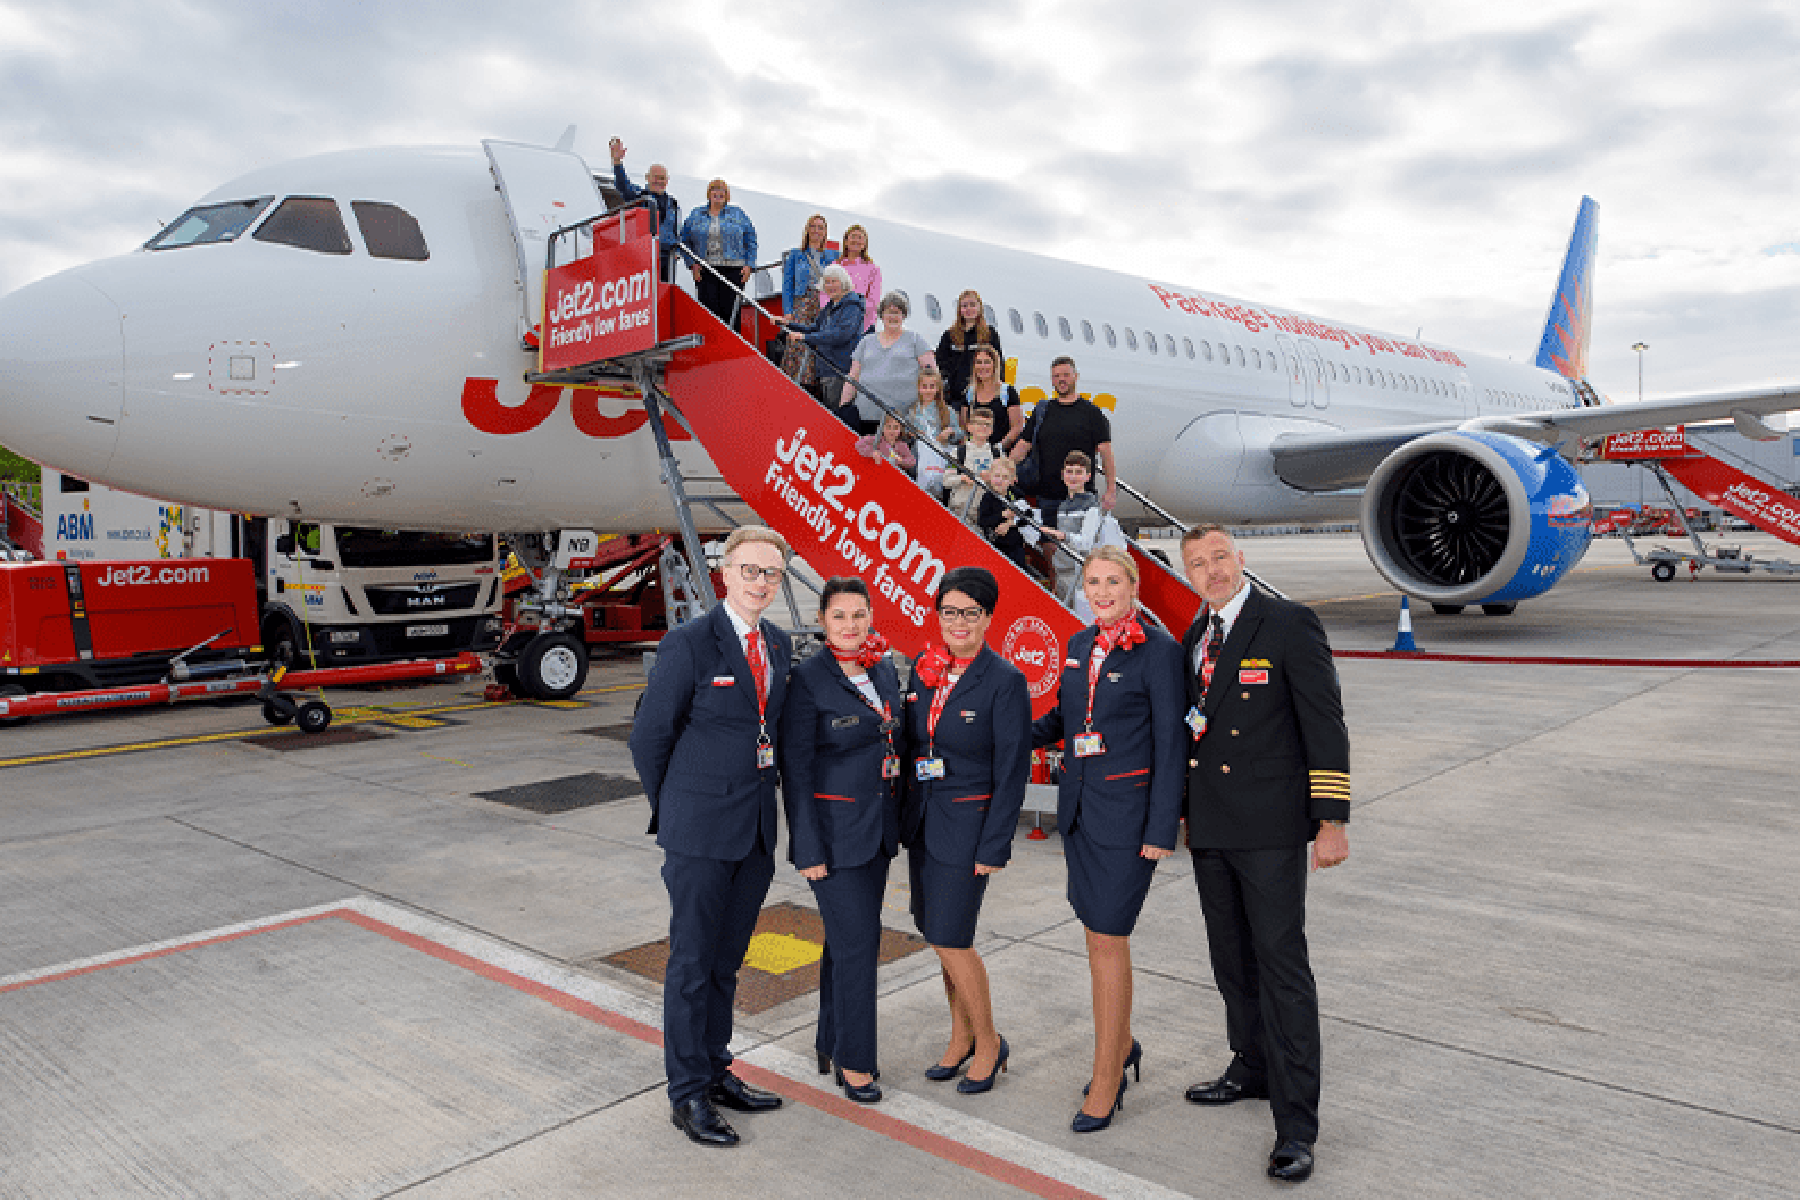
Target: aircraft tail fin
1569,326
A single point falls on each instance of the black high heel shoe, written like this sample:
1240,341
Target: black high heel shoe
824,1062
1134,1062
1083,1123
939,1073
970,1086
862,1093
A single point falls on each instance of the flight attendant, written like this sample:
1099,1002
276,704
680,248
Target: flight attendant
1124,773
968,727
703,743
841,758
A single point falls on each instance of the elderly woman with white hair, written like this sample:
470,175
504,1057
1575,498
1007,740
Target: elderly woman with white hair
832,336
887,361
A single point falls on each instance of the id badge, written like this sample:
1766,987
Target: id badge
1196,720
929,768
1087,745
765,755
890,767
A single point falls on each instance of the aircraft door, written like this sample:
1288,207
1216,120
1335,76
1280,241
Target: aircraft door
543,190
1466,394
1299,387
1318,382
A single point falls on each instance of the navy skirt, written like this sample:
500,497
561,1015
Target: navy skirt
946,900
1107,884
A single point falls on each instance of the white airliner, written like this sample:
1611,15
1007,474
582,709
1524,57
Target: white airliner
341,337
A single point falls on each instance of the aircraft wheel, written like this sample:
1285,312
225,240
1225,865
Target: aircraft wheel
1498,610
1662,572
276,714
9,690
553,666
314,716
1446,610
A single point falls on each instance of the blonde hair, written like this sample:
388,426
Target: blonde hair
755,533
718,183
946,418
844,254
806,232
1112,554
983,334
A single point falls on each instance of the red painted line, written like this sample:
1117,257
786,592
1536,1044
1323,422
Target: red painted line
892,1128
1557,660
164,952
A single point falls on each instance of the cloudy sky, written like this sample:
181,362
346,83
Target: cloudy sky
1404,164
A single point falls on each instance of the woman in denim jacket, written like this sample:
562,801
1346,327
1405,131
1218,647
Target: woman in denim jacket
802,273
722,236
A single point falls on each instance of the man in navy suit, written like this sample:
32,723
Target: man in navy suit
704,746
1269,772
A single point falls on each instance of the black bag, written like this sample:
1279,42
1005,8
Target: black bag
1030,467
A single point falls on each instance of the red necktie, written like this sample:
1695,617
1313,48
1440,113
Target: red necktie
759,667
1210,657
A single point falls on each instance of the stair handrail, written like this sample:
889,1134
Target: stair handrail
1702,437
1178,523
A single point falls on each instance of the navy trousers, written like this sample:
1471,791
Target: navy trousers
713,905
1254,902
850,903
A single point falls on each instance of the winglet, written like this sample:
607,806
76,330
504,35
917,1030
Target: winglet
566,142
1568,328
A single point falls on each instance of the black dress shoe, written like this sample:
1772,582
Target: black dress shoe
862,1093
733,1093
938,1073
1291,1161
1224,1091
702,1123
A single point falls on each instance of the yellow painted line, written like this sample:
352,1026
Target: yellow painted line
103,751
455,762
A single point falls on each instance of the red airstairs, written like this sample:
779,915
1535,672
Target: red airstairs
796,466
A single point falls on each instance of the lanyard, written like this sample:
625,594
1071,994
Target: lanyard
1095,661
887,714
938,698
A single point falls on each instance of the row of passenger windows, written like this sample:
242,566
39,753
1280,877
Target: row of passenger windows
307,222
1205,351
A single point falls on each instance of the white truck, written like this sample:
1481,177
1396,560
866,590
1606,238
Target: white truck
330,595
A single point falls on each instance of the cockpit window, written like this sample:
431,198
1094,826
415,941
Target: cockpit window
389,231
309,222
209,223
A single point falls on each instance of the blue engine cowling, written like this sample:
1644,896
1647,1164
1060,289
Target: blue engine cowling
1475,518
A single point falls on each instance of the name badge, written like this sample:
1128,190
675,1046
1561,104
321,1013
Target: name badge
724,680
844,722
1196,720
765,755
1257,676
890,767
929,768
1087,745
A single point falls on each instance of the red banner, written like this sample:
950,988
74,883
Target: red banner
1648,444
601,306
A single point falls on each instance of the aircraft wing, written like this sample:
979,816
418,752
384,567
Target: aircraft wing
1321,462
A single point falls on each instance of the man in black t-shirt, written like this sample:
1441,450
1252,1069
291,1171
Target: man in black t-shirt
1064,422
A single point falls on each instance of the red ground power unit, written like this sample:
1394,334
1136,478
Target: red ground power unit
99,624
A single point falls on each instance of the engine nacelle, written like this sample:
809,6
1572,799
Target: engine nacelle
1475,518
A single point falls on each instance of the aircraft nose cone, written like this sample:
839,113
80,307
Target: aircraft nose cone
62,373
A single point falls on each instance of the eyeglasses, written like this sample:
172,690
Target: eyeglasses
962,616
750,573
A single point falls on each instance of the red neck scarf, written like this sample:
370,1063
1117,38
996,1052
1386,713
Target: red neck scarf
872,651
935,666
1122,634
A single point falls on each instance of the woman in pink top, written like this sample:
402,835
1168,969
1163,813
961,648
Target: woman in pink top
864,274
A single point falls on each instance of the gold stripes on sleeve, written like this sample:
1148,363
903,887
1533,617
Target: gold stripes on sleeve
1331,785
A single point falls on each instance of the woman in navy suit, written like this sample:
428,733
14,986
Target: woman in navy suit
1120,717
841,761
968,723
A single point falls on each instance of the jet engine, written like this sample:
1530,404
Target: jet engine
1468,517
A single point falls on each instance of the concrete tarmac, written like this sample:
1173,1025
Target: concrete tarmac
1563,959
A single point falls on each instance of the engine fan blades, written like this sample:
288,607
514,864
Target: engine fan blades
1450,519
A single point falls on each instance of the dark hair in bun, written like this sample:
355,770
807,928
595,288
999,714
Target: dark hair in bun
977,583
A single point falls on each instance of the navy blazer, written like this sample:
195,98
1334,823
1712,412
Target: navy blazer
1275,760
984,738
694,739
840,811
1132,794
